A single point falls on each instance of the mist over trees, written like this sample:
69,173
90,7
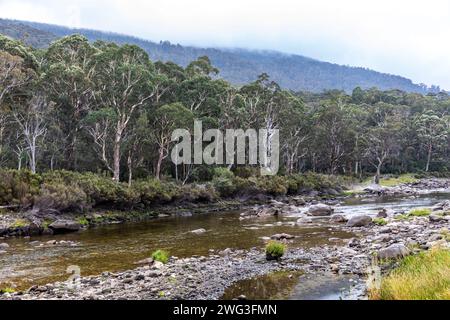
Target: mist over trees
107,108
237,66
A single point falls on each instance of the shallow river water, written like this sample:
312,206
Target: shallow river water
119,247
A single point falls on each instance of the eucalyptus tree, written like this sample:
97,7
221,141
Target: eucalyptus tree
14,75
333,137
32,126
295,132
432,133
68,72
385,124
164,121
124,85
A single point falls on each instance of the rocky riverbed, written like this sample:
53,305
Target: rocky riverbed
207,277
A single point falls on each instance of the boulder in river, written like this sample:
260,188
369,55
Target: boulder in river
338,218
304,220
394,251
282,236
64,226
359,221
198,231
4,246
320,210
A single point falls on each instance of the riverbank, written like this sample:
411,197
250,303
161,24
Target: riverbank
63,201
376,248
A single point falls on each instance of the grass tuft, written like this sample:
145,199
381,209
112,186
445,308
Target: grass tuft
420,212
161,256
275,250
380,221
395,181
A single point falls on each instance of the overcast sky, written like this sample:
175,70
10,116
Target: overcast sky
405,37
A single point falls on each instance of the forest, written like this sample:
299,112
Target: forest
238,66
108,109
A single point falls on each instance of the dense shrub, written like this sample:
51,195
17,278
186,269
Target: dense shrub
74,191
223,182
18,187
246,172
273,185
312,181
100,190
199,193
152,191
61,197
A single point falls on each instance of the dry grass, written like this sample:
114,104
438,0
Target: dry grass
425,276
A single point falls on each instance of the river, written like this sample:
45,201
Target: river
118,247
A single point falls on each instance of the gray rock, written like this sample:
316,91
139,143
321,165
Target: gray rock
198,231
320,210
359,221
145,261
4,246
2,252
304,220
154,274
139,277
382,214
394,251
436,218
385,230
63,226
353,242
443,206
298,201
282,236
338,218
435,237
375,188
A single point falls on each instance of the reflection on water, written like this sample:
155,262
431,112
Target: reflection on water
295,286
118,247
272,286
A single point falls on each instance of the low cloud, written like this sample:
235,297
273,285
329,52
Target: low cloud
406,37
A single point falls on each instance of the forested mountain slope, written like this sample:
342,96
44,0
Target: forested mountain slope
238,66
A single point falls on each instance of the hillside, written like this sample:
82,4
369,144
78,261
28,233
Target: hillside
238,66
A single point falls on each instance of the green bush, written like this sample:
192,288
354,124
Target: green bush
223,182
18,187
247,172
101,191
199,193
275,250
161,256
152,191
61,197
273,185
